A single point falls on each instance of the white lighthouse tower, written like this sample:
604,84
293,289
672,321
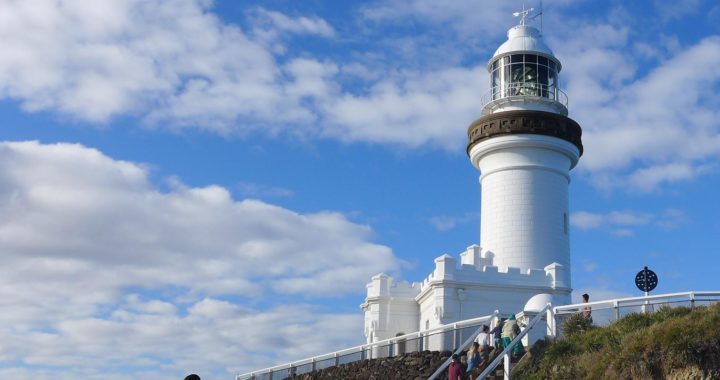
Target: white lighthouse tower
524,146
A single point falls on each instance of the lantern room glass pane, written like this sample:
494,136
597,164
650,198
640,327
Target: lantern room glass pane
529,80
530,73
516,78
543,79
515,58
495,82
530,58
552,85
543,61
505,78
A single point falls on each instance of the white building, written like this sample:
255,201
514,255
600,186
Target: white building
524,146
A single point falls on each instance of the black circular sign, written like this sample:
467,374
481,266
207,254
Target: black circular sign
646,280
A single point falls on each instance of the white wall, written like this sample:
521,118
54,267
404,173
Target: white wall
524,211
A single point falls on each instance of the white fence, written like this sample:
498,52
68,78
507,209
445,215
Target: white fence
457,336
445,337
603,313
608,311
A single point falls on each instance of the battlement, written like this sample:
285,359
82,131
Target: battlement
383,285
477,267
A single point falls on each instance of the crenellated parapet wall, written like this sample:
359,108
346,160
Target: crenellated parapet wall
382,285
476,287
476,267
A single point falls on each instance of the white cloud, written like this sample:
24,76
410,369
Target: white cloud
620,222
170,62
254,190
585,220
672,218
467,18
641,132
590,266
462,16
445,222
413,109
649,178
176,65
623,232
269,26
677,9
100,267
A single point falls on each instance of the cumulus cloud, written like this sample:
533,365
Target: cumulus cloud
170,62
176,65
642,131
270,26
414,108
101,267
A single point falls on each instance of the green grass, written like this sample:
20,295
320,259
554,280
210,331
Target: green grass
638,346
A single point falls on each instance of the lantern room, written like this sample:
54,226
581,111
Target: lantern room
524,75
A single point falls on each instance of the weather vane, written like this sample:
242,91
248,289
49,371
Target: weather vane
526,15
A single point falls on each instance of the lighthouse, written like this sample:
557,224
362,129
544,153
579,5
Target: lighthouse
524,145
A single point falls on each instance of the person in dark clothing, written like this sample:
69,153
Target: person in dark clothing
587,310
497,333
192,377
456,371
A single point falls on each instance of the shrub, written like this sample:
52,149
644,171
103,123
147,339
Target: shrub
642,346
575,324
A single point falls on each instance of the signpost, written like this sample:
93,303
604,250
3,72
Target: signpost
646,280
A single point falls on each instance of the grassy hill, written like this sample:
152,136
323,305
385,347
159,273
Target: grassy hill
672,343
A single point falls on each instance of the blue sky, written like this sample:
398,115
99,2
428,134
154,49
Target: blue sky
198,186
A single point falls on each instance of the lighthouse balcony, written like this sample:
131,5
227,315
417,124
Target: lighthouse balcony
526,96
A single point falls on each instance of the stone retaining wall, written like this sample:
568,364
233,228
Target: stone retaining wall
412,366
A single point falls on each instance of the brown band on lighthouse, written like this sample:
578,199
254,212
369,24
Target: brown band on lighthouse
525,122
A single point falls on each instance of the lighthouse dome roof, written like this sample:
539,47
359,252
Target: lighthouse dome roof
523,39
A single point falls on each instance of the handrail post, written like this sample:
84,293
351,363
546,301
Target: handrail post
551,322
616,306
455,336
692,300
506,366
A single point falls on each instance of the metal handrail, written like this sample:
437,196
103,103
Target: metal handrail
505,92
368,346
518,338
553,311
613,303
462,347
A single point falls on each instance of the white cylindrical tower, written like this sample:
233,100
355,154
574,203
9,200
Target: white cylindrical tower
525,146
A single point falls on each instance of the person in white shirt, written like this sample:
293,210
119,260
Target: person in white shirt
485,341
